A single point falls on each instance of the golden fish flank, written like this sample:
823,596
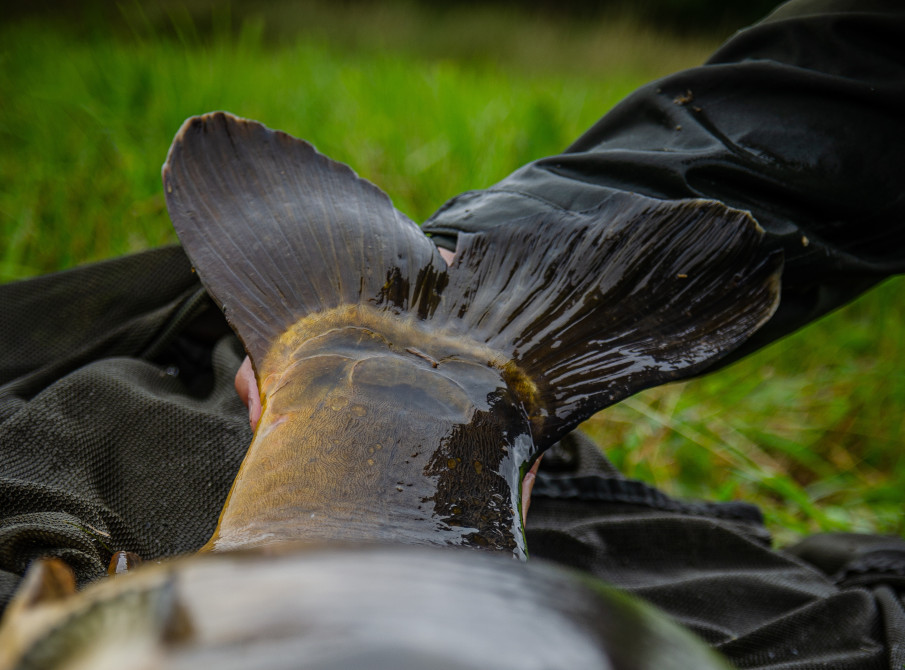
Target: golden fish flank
345,388
360,335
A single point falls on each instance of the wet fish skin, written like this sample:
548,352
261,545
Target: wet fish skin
377,428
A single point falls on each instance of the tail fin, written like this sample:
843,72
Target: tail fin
587,308
594,307
277,230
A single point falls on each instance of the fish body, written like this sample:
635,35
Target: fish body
403,400
342,606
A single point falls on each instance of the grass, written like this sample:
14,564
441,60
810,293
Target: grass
809,428
427,105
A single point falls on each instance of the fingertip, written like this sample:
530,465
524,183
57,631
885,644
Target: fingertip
528,487
247,388
254,413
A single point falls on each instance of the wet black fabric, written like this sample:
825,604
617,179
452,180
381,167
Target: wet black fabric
119,424
798,119
120,427
711,567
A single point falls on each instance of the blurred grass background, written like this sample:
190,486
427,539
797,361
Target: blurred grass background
426,103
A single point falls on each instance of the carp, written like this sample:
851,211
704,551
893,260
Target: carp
404,400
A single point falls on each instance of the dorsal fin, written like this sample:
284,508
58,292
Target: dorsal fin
595,306
277,230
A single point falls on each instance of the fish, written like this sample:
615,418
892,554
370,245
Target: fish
404,399
339,606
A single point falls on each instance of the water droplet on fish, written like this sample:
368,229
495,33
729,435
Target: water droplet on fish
359,410
338,402
370,461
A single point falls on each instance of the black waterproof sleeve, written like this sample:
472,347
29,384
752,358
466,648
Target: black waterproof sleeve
799,119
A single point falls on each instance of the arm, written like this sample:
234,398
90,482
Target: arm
796,119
